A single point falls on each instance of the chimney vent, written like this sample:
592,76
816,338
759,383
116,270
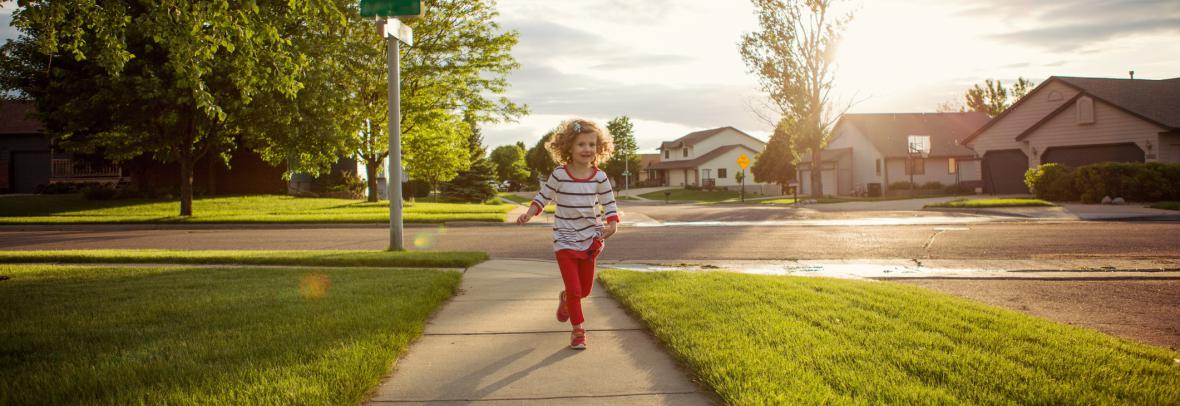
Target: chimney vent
1132,75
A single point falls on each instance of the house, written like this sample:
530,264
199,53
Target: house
707,158
646,174
869,152
27,160
1077,121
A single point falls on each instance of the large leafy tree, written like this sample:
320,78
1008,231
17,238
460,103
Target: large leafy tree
510,166
776,162
459,64
792,56
437,151
993,98
174,80
624,157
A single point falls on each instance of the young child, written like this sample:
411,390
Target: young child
578,188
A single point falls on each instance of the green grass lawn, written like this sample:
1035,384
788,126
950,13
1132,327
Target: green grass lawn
758,339
73,209
788,200
190,335
304,258
692,195
514,197
986,203
1166,205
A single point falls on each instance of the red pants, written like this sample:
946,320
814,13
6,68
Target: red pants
577,271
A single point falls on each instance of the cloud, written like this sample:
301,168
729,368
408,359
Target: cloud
1077,24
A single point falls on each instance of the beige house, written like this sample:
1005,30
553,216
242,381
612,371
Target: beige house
868,152
707,158
1079,121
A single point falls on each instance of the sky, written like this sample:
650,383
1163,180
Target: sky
673,67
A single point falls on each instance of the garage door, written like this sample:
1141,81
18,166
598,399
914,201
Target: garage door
1003,172
29,169
1091,154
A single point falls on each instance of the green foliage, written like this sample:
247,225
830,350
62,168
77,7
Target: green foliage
333,258
775,164
437,151
987,203
540,163
901,185
993,98
1142,182
624,156
477,182
511,168
1051,181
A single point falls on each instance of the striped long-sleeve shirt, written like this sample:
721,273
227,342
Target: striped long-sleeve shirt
577,220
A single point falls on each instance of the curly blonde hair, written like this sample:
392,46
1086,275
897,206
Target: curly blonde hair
562,141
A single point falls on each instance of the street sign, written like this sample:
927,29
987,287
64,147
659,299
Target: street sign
743,161
401,32
626,173
391,8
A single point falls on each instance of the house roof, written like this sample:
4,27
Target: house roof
16,118
698,161
889,132
1157,101
692,138
647,160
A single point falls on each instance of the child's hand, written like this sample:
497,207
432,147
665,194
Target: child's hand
524,218
609,230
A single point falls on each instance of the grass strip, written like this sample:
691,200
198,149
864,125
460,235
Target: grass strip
758,339
347,258
117,335
990,203
514,197
73,209
1166,205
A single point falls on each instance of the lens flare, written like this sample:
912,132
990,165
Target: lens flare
427,238
314,286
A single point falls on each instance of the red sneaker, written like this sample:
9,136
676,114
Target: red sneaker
563,312
578,339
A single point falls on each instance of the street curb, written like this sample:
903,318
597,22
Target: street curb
989,212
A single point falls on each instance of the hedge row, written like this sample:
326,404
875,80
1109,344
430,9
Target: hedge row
1141,182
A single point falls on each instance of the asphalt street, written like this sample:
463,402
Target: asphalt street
1021,240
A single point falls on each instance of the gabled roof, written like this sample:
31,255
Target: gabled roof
698,161
647,160
16,117
889,132
692,138
1157,101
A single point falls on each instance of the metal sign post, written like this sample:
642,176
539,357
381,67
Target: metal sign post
743,161
395,33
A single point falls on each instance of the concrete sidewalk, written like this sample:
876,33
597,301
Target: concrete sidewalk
497,342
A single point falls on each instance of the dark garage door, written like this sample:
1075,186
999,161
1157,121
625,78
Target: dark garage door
1090,154
29,169
1003,172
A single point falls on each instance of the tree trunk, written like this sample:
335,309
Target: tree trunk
817,170
186,186
371,172
211,187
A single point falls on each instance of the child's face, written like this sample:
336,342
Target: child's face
584,148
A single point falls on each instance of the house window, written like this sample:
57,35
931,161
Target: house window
952,167
878,167
1085,110
666,154
685,152
915,166
721,173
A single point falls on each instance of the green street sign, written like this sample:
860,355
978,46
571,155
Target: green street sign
391,8
626,173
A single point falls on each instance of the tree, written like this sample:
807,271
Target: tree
459,62
792,56
175,81
511,166
437,151
775,164
624,157
539,161
476,184
992,98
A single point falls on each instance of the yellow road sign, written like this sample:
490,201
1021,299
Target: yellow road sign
743,161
